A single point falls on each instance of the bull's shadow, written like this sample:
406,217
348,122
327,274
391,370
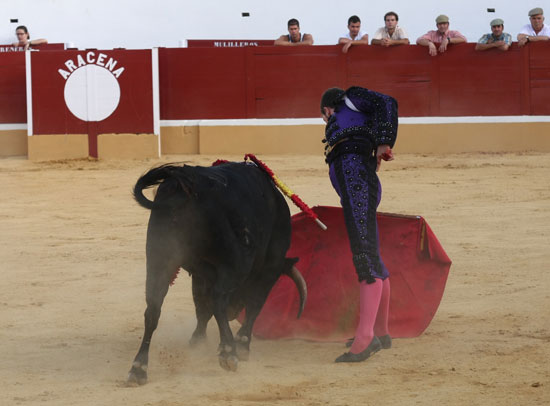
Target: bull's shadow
229,227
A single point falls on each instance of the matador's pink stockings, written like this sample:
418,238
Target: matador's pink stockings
374,300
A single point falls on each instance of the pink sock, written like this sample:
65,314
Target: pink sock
381,323
369,299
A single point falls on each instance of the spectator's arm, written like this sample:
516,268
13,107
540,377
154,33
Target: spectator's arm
457,40
282,40
539,38
501,45
363,41
402,41
38,41
432,50
307,40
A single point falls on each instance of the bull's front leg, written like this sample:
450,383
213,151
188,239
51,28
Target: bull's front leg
227,352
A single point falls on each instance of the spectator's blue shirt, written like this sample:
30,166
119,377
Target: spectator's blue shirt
507,38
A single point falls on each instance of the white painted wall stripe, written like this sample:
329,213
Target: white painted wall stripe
317,121
8,127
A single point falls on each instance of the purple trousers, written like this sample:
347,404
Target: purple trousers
354,178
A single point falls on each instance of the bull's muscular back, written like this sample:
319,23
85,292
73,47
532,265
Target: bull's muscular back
230,214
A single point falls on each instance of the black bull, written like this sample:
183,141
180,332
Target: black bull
229,227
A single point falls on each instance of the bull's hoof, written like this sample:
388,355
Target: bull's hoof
229,362
137,375
242,345
196,339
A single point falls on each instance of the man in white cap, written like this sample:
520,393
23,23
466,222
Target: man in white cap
536,30
496,39
442,36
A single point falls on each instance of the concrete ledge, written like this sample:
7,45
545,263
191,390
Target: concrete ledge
57,146
127,146
437,138
13,142
473,137
430,135
179,140
278,139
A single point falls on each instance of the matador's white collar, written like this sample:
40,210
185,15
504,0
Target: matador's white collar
350,104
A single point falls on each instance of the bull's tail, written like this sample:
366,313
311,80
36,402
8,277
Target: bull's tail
155,177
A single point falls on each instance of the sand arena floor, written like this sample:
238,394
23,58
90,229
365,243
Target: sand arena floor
72,294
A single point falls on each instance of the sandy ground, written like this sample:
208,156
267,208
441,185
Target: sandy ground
72,264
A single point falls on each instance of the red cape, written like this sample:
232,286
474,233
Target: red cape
418,268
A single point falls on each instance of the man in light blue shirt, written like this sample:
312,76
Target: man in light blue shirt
496,39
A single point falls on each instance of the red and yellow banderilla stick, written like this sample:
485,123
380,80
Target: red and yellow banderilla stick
286,190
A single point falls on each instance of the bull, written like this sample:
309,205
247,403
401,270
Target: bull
229,228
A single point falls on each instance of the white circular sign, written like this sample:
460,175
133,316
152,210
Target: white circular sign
92,93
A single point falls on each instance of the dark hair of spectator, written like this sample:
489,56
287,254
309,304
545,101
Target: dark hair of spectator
391,13
293,21
331,97
22,27
353,20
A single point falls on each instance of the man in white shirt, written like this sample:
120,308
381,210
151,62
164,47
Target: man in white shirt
536,31
391,33
354,36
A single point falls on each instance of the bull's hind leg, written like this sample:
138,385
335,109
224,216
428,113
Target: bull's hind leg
204,307
156,289
225,284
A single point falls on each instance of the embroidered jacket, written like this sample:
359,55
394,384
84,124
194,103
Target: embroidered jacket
365,116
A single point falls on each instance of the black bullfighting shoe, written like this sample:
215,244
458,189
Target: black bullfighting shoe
372,348
385,341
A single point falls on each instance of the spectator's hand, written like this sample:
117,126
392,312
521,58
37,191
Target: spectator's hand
522,41
386,42
443,46
383,152
432,49
346,47
499,43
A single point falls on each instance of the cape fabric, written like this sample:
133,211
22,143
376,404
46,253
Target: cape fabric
418,268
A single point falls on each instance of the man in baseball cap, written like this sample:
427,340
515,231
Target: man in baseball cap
442,36
536,30
496,39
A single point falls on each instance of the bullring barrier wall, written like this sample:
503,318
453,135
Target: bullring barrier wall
265,100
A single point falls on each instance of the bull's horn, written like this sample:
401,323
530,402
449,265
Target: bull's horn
300,282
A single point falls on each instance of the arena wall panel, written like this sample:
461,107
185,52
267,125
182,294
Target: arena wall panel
267,82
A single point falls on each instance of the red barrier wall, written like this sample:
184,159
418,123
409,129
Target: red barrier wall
134,113
13,98
286,82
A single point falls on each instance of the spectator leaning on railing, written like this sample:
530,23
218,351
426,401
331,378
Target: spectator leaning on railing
536,30
354,36
442,36
496,39
294,37
391,33
24,38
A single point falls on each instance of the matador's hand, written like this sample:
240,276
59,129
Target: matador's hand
383,152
